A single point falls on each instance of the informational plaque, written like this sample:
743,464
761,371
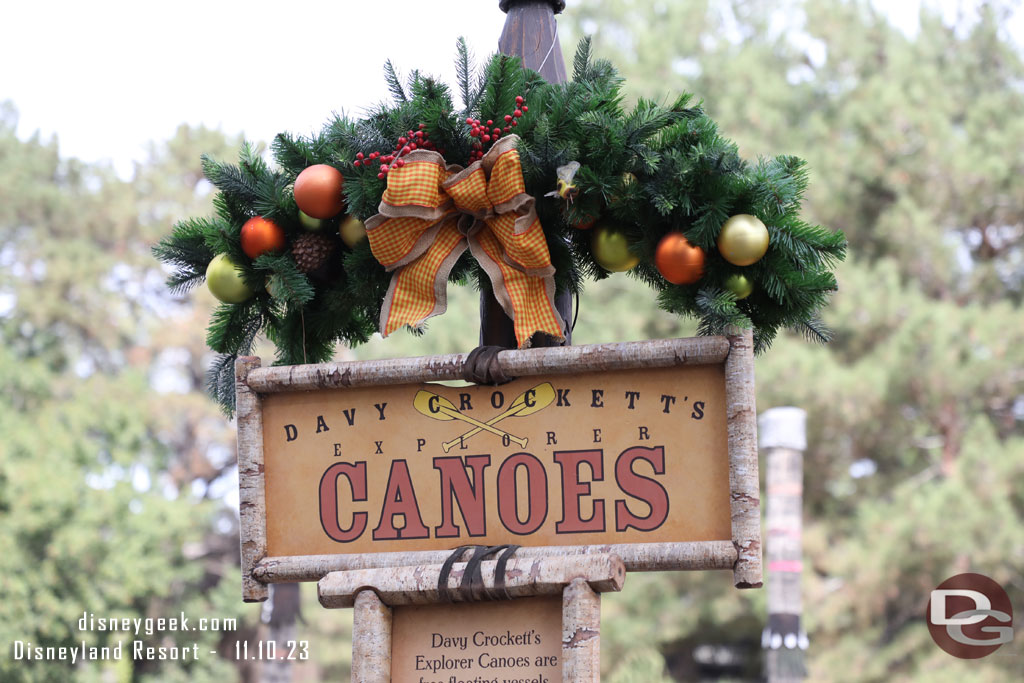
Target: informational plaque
516,641
633,456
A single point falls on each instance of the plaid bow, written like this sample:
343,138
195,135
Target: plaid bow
430,213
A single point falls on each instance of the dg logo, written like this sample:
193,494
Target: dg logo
970,616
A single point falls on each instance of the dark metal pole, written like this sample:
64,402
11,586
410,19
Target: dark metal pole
531,33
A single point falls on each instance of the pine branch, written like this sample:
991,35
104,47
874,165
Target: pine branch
286,282
394,82
464,70
581,61
293,153
230,180
719,311
233,327
815,330
220,382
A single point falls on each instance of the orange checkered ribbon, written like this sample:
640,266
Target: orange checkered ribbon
431,213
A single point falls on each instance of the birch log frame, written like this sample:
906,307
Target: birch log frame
742,554
371,639
581,633
252,508
744,483
635,556
417,585
660,353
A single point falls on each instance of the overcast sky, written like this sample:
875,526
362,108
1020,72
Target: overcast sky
108,76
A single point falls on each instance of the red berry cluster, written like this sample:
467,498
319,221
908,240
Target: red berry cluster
485,134
409,142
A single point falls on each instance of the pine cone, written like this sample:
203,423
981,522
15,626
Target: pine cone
311,251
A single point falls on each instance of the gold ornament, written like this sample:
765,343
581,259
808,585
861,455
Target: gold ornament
739,285
352,231
224,278
611,249
743,240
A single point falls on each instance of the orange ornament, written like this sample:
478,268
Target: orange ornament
678,261
318,191
261,235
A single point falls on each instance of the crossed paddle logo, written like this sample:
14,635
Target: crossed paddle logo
527,403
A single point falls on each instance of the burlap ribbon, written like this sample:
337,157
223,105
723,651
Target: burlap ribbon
431,213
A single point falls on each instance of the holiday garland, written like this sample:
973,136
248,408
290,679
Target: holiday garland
585,187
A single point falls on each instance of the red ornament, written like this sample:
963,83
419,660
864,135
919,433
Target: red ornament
517,113
318,191
525,108
261,235
519,99
678,261
585,223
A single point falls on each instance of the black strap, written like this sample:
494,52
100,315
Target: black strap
445,595
499,573
482,367
472,585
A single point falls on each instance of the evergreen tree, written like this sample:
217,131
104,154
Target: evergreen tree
915,444
112,466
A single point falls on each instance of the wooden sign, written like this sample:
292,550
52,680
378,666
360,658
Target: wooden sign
646,449
512,640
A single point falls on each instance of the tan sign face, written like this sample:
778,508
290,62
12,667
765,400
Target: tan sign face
510,640
630,456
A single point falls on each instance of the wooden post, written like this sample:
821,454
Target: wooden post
581,633
531,33
783,437
741,411
280,614
252,506
371,639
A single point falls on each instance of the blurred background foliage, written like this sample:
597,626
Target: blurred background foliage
117,474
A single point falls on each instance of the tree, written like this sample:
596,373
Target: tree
914,409
110,470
